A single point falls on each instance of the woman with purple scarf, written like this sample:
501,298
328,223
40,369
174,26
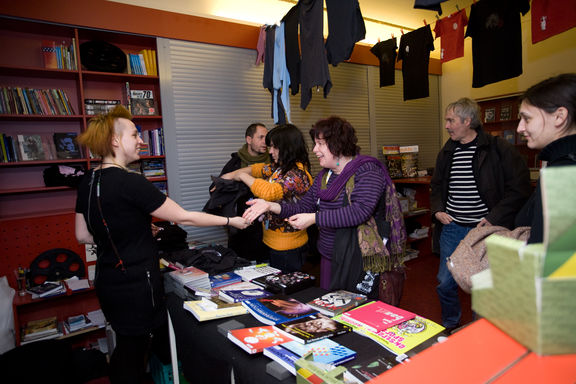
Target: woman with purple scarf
345,194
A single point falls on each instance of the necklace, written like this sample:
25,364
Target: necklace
112,164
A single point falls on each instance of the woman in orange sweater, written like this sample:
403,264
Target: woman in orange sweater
285,179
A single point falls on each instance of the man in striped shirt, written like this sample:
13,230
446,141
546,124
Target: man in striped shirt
479,180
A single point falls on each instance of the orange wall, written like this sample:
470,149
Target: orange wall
103,14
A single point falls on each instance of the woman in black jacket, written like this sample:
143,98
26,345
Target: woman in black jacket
548,122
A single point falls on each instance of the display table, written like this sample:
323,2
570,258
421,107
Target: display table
209,357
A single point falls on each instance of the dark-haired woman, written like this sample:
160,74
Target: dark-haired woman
324,205
286,179
548,123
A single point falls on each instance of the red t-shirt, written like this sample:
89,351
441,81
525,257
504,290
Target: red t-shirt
451,30
551,17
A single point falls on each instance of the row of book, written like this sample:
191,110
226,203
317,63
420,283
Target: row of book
153,142
59,56
30,147
401,160
31,101
51,328
142,63
99,106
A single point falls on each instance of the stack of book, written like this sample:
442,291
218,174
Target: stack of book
255,339
237,293
153,168
47,289
325,351
401,160
77,323
183,282
285,283
252,272
41,329
376,316
213,308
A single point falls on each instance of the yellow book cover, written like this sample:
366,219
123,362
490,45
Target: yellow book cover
41,327
201,314
146,57
154,65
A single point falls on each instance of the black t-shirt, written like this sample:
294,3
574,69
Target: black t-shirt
385,51
132,300
494,26
345,28
415,48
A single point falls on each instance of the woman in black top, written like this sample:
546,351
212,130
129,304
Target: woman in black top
548,122
114,210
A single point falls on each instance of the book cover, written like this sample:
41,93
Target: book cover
282,356
40,327
312,328
188,274
368,368
255,339
142,102
325,351
394,165
202,314
252,272
224,279
31,147
45,289
49,54
402,337
337,302
277,309
66,145
376,316
237,296
409,164
285,283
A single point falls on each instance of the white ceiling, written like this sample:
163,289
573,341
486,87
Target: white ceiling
258,12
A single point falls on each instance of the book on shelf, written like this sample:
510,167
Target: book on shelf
376,316
203,313
153,167
277,309
393,160
29,101
336,302
285,283
162,186
325,351
49,54
66,145
31,147
46,289
255,339
252,272
77,323
154,140
142,102
282,356
41,329
312,328
409,160
99,106
59,56
238,296
223,279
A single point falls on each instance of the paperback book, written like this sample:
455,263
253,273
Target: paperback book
237,296
252,272
337,302
285,283
363,370
205,313
255,339
283,357
277,309
312,328
46,289
66,145
376,316
142,102
41,329
224,279
403,337
324,351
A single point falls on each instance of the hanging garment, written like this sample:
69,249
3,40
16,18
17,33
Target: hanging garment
314,67
414,52
291,21
261,45
550,17
451,30
494,27
431,5
280,80
345,28
385,51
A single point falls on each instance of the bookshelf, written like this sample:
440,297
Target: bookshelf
35,218
417,216
499,116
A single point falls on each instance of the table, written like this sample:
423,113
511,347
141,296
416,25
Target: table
209,357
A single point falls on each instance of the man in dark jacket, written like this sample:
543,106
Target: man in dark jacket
246,243
479,180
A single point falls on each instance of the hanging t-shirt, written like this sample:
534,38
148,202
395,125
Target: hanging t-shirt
314,67
551,17
385,51
261,45
291,21
414,51
494,27
431,5
451,30
345,28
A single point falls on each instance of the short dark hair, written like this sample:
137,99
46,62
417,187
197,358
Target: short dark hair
553,93
339,134
251,130
291,146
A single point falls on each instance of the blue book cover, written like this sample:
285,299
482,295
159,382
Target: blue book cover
223,279
277,309
283,357
325,351
239,295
